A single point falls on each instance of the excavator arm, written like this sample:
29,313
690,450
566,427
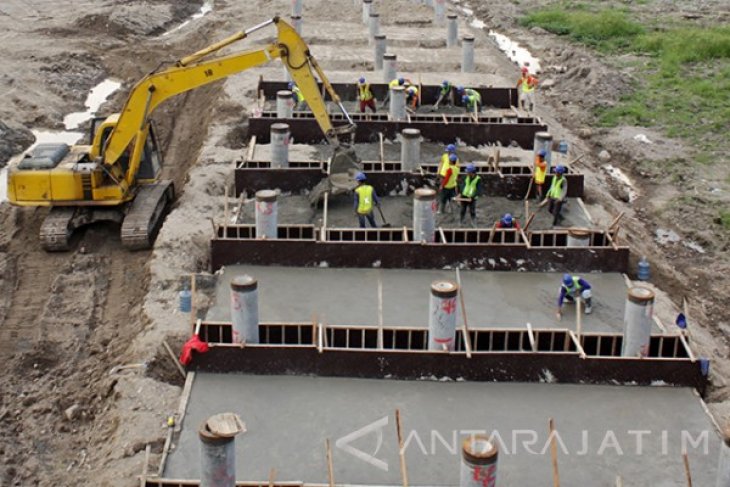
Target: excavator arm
195,71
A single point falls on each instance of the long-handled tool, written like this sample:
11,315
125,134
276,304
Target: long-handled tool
385,223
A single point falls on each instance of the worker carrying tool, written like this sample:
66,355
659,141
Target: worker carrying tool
446,95
472,101
526,86
449,178
557,194
396,82
539,174
297,96
471,190
444,162
508,221
365,200
365,96
412,98
572,288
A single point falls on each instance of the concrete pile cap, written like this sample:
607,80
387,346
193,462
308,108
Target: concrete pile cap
640,295
267,195
424,194
243,283
411,133
221,428
579,232
444,289
479,450
279,127
283,93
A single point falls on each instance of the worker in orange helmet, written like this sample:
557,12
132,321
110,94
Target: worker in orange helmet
526,86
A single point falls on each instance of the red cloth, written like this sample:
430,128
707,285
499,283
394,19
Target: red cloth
194,344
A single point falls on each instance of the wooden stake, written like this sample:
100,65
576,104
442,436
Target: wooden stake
193,310
615,221
619,481
529,221
272,477
527,210
465,328
585,210
324,219
554,453
531,336
401,452
382,152
330,465
174,358
446,121
578,313
686,469
529,188
491,232
380,313
225,208
146,465
184,398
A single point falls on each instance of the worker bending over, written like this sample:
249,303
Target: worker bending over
449,178
446,95
365,199
471,190
396,82
365,96
297,96
472,102
412,97
508,221
572,288
539,171
526,86
557,194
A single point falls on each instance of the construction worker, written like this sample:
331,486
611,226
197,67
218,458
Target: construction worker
449,179
365,96
471,189
508,221
297,96
412,97
539,174
365,199
396,82
472,102
526,87
572,288
446,94
444,162
557,194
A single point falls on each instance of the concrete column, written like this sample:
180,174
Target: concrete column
467,54
439,12
389,68
373,27
544,141
442,315
267,214
280,145
397,103
723,467
284,104
366,9
410,149
452,30
637,322
245,309
218,450
428,3
579,237
380,46
424,215
296,7
478,462
296,22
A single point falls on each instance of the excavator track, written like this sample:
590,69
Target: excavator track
145,215
57,228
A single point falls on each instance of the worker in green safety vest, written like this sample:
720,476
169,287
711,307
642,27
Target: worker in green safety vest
557,194
297,96
471,189
365,200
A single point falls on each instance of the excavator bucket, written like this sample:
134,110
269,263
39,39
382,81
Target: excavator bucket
344,165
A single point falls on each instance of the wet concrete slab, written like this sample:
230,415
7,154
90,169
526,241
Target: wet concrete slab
349,297
602,431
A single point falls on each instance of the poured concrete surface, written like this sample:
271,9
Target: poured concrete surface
349,297
289,418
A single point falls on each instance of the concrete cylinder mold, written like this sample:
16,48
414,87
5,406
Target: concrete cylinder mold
389,67
467,54
637,322
284,104
245,309
267,214
218,450
366,9
397,103
296,22
380,46
373,26
544,141
442,316
452,30
579,237
296,7
478,462
410,149
429,3
439,12
424,215
280,136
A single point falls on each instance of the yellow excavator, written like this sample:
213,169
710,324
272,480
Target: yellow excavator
117,177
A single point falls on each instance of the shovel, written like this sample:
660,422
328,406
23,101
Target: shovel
385,223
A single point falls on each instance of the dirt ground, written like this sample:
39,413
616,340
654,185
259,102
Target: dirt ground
87,384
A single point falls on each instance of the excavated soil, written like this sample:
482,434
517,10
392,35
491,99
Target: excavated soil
87,384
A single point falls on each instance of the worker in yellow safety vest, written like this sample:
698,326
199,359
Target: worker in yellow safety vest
365,96
539,171
444,162
412,97
365,200
396,82
297,95
449,179
557,194
526,86
471,189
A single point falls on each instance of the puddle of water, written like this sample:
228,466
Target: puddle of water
516,53
622,178
97,96
478,24
204,10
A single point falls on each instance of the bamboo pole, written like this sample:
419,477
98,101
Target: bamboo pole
330,465
686,469
554,453
465,328
380,313
401,452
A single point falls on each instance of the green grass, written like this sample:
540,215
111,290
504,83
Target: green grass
725,219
